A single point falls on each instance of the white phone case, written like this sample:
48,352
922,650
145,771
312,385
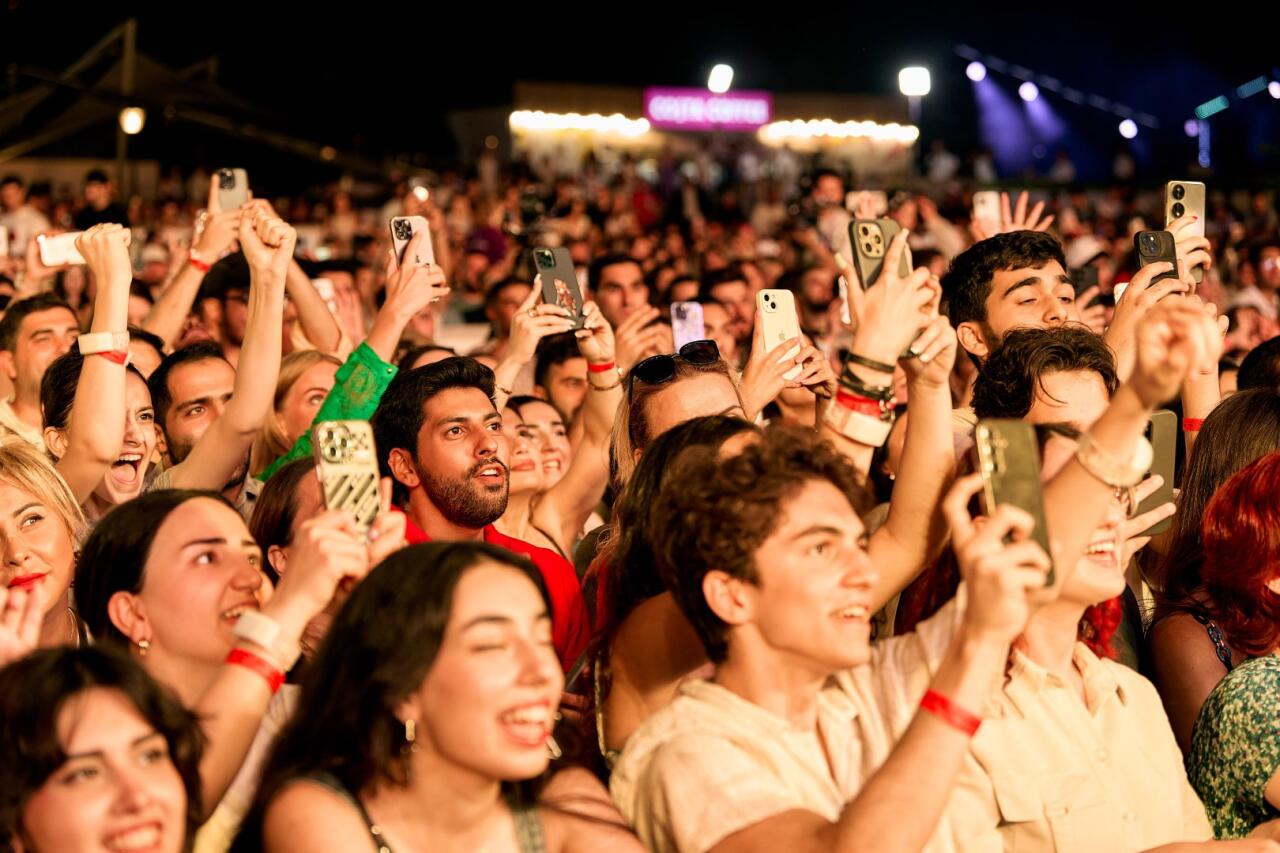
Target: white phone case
780,322
59,249
402,230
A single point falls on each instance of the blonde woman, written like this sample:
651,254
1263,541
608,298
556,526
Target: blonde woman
306,377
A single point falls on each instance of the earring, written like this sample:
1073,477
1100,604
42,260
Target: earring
410,737
553,748
144,646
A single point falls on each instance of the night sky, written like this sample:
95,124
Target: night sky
378,78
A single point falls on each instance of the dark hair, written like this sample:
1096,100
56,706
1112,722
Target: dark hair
1240,429
20,310
495,290
59,384
96,176
716,513
142,291
115,555
137,333
381,646
1012,374
552,351
36,688
11,179
625,565
276,509
411,355
161,397
967,283
597,268
715,278
228,273
1261,367
403,408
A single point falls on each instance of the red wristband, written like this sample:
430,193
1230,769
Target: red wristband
603,367
861,405
118,356
269,671
197,263
1192,424
950,713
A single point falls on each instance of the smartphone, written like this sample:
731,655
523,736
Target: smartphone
845,316
1083,279
1009,461
402,230
233,188
1182,198
559,281
1156,246
59,249
780,322
870,239
1162,432
348,468
686,323
986,208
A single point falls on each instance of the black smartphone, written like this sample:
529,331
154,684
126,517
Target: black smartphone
1162,432
1156,246
1008,458
559,281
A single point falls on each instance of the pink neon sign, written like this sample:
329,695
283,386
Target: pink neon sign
698,109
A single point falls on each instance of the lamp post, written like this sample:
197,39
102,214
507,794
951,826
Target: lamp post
914,82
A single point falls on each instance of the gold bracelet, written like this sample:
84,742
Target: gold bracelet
615,384
1105,468
505,391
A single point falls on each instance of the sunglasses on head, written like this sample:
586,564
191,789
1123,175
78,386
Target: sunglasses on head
662,368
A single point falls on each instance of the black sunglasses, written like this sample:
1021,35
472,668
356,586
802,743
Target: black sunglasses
657,369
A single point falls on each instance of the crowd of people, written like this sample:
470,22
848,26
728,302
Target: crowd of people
736,594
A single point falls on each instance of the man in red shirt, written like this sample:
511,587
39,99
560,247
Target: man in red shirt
440,438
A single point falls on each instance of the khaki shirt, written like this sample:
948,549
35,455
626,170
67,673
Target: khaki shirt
1049,773
11,424
712,763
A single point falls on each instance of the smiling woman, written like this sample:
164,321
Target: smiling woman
96,756
435,690
40,525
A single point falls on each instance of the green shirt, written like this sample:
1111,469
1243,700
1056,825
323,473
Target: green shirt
358,387
1235,747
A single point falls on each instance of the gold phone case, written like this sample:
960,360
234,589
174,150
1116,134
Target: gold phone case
871,239
1162,432
348,468
1009,461
1180,199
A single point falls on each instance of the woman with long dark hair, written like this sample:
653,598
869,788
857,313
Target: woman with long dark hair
425,721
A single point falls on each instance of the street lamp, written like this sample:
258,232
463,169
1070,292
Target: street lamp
720,79
132,120
914,82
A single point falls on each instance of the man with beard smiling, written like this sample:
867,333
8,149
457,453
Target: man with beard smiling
440,438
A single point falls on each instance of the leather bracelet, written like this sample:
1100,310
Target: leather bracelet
869,363
273,675
950,713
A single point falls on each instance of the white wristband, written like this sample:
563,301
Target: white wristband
256,628
97,342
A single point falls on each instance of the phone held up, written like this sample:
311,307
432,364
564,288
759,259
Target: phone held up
870,239
1008,458
781,323
560,281
348,468
403,229
233,188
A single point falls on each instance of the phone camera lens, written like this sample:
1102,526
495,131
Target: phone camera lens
1178,209
878,240
1179,191
226,179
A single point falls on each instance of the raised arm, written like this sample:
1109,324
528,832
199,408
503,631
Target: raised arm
167,316
914,532
314,316
268,244
95,429
568,504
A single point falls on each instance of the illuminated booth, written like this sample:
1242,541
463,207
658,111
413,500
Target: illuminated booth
559,124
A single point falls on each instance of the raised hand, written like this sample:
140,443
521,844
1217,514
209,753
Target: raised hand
106,251
888,315
267,242
412,287
534,321
1013,218
595,338
1175,339
21,613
